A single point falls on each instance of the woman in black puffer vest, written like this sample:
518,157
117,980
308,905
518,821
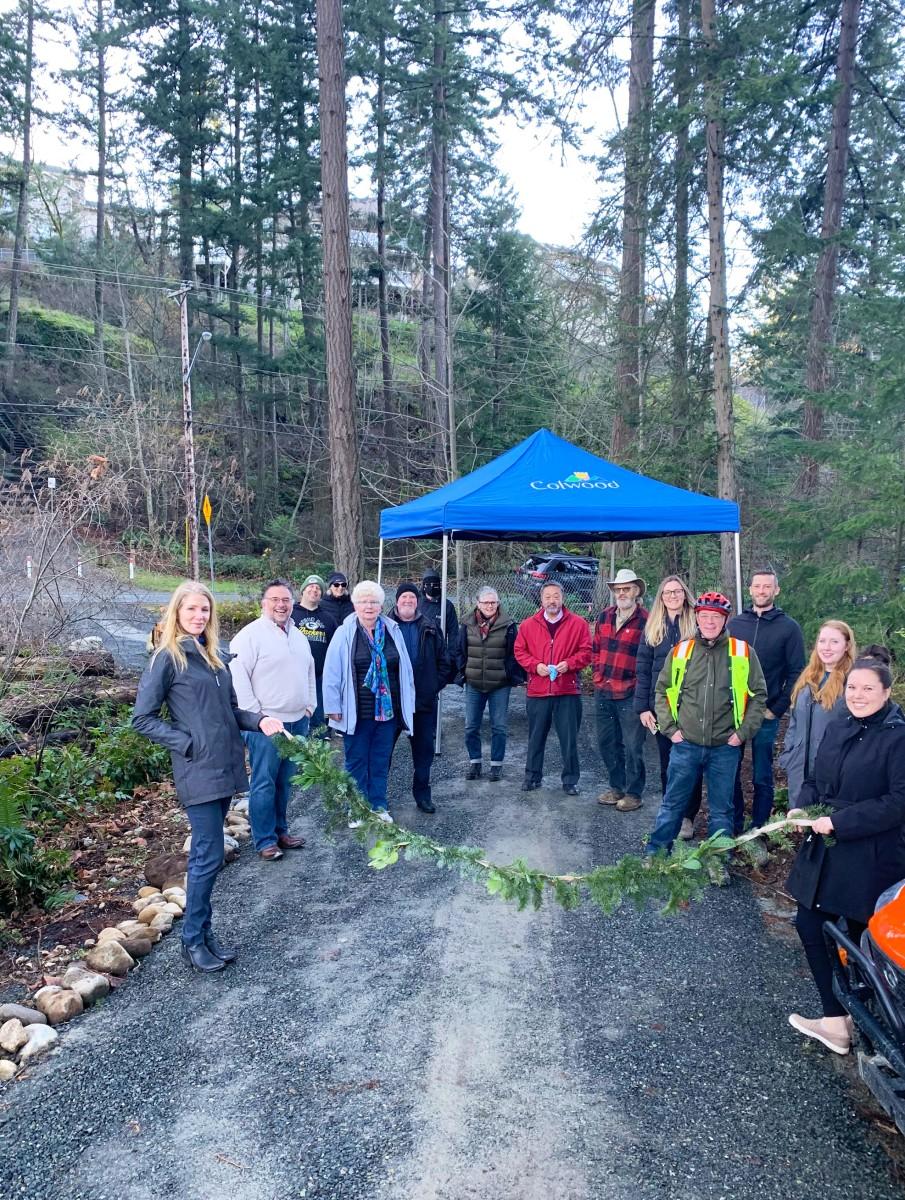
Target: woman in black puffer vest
488,669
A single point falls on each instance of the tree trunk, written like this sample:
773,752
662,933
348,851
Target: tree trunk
718,314
634,219
345,478
391,438
440,250
100,33
682,168
22,207
235,315
823,301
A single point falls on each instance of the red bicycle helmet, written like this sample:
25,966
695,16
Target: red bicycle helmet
713,602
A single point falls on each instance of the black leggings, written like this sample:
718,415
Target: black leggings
809,924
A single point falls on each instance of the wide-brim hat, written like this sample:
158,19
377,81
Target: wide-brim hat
627,575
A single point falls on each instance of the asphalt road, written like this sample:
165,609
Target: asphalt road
402,1036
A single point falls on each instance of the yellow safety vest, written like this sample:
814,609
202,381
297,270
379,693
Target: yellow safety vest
739,670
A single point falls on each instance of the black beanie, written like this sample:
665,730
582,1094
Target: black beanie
408,587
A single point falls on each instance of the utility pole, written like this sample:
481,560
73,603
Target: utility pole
188,437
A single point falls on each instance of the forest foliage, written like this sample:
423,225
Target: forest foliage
759,141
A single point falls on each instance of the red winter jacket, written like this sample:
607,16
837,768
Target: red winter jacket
571,642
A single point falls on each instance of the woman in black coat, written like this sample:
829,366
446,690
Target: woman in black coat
202,735
860,773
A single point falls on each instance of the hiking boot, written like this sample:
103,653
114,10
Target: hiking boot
628,803
496,774
610,797
474,771
686,833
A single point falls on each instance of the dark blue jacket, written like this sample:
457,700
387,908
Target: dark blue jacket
649,664
779,643
434,669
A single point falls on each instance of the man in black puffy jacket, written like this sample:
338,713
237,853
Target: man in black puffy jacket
779,644
433,670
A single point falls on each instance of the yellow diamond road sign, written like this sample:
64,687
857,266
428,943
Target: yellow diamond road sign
206,510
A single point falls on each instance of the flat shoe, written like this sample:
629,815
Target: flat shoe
287,842
815,1030
270,853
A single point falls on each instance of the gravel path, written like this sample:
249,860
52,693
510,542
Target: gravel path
401,1036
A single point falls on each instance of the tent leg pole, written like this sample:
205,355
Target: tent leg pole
444,580
738,571
380,562
612,560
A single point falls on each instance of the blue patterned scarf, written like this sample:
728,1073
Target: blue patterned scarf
377,678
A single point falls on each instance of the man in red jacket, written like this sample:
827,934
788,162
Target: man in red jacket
553,646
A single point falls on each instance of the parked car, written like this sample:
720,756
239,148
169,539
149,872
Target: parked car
575,573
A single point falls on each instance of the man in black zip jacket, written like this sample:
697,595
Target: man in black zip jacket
433,670
779,644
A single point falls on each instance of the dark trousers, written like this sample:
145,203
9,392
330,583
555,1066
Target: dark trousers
664,745
422,741
564,713
205,861
809,923
762,772
620,740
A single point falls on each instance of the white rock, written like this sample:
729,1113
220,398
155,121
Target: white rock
90,985
187,844
163,922
86,643
241,835
240,805
175,896
143,901
110,958
40,1038
111,934
175,910
138,929
7,1070
147,890
149,912
12,1036
229,842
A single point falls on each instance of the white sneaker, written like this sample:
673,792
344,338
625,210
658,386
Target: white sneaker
356,824
686,833
382,815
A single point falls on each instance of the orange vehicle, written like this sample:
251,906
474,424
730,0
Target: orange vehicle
869,980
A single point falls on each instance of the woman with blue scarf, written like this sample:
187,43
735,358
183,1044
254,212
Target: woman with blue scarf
369,692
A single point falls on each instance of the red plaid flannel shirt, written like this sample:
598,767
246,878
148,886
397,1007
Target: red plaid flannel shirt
615,652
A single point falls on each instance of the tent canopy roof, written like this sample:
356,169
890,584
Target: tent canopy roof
546,489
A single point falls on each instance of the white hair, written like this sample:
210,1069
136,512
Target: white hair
485,592
368,590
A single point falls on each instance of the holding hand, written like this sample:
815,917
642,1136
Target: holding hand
649,721
271,725
543,670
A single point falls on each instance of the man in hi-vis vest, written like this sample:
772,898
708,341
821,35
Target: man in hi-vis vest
711,697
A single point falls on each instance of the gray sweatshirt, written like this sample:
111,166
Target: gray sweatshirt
273,670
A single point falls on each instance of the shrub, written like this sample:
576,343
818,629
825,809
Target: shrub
28,873
124,760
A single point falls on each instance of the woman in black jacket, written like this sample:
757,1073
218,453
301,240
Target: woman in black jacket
670,621
202,735
860,773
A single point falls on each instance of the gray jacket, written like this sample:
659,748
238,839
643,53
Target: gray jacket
339,676
807,725
202,733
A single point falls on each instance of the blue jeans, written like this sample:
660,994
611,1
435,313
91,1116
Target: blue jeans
475,703
620,739
368,752
205,861
268,796
686,763
762,770
317,719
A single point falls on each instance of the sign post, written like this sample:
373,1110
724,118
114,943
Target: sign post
207,512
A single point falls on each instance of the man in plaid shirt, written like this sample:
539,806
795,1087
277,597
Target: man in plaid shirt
620,734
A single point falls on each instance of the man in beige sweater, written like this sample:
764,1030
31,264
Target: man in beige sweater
273,673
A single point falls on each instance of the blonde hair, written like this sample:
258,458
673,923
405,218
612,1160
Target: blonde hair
814,672
655,629
172,635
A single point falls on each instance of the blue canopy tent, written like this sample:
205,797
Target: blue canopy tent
546,489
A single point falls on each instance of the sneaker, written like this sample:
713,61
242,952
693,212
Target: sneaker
382,815
610,797
474,771
839,1043
628,803
496,774
686,833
